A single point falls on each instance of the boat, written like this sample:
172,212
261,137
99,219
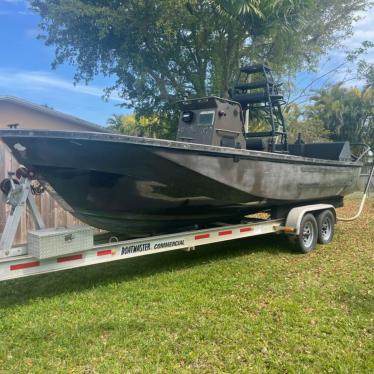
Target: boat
215,172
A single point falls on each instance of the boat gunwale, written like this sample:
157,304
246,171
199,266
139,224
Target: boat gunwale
172,144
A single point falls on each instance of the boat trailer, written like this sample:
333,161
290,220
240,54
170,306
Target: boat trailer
49,250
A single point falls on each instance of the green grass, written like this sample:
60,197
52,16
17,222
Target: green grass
249,306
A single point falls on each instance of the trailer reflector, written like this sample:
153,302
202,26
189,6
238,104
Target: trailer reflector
25,265
202,236
70,258
104,252
227,232
246,229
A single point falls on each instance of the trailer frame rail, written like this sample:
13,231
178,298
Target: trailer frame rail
22,266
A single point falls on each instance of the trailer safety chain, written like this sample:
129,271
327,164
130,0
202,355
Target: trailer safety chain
364,197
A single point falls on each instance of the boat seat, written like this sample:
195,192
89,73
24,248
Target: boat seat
255,98
256,144
263,134
259,134
258,68
339,151
253,85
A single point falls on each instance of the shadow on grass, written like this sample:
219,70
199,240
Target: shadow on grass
21,291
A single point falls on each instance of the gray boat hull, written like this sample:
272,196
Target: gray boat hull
140,186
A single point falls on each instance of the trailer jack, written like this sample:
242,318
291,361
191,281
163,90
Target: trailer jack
19,194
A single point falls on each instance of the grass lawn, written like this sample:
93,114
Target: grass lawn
249,306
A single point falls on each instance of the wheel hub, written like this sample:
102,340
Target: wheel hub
308,234
326,228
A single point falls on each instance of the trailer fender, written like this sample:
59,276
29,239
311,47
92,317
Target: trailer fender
295,215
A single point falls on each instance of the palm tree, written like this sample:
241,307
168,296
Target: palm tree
115,122
348,113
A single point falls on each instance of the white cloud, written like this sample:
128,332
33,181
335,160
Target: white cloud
32,33
19,13
363,30
15,1
25,13
16,7
43,81
333,67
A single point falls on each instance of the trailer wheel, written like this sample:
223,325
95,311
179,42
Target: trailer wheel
326,226
307,239
6,185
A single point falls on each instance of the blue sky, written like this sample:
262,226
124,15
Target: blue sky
363,30
25,66
25,70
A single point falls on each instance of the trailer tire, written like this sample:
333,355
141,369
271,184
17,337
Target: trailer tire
326,226
307,239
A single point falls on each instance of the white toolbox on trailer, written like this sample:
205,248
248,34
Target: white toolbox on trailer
47,243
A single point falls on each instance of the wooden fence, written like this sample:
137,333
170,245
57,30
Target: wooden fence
52,213
364,177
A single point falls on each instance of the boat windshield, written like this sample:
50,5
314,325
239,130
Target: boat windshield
206,118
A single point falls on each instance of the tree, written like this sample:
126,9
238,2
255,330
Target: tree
347,113
164,50
311,128
148,126
366,73
125,124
